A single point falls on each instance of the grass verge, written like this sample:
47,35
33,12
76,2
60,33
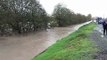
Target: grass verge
75,46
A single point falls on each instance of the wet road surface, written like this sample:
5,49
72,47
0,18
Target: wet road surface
100,42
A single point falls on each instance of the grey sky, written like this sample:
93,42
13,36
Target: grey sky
94,7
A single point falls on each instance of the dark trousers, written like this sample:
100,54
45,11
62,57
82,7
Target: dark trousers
104,30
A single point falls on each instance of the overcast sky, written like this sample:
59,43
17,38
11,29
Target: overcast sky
94,7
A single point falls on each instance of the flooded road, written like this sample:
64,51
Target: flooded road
26,47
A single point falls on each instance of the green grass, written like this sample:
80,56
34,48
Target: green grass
75,46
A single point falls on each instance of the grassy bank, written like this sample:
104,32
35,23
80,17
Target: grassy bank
76,46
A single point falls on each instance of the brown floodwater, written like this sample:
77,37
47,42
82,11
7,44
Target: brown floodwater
26,47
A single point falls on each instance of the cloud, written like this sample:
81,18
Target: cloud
94,7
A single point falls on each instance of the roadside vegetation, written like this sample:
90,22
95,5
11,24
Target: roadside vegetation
24,16
65,16
76,46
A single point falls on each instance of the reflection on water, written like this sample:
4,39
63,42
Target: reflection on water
26,47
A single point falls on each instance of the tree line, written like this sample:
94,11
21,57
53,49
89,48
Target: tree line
65,16
23,16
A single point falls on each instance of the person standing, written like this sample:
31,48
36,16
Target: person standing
104,23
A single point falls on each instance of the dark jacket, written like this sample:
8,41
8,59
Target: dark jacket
104,23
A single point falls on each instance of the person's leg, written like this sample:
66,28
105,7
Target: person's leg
104,31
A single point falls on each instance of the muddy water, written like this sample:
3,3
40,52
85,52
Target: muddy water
26,47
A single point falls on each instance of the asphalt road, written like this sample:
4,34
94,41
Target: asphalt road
101,43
